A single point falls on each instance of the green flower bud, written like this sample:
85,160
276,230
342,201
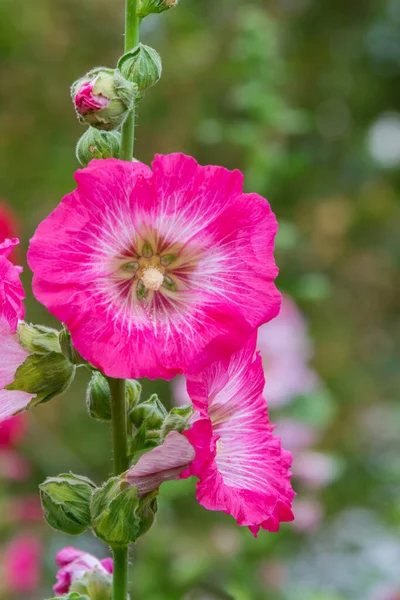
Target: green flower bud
44,375
141,65
147,7
151,412
177,420
68,349
98,398
103,98
37,338
66,502
98,144
113,509
95,583
133,393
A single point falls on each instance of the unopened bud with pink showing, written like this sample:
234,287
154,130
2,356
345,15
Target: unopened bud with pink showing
148,7
103,98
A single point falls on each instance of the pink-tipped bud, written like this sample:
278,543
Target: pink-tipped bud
103,98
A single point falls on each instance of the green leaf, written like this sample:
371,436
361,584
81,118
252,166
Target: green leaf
37,338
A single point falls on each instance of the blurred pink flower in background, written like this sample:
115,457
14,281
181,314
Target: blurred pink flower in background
11,431
21,564
74,564
13,466
286,351
308,513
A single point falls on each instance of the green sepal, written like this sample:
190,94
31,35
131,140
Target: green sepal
146,512
113,509
38,338
141,65
45,375
66,502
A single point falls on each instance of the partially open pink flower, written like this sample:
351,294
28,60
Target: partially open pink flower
11,290
21,563
240,464
11,431
164,463
150,270
286,351
74,564
85,99
12,355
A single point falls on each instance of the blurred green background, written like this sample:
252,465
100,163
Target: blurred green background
303,97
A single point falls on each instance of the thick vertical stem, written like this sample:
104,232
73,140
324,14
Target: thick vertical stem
121,463
117,386
132,23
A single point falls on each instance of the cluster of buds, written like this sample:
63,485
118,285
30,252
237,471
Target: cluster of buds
104,97
122,509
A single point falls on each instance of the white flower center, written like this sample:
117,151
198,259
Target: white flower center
152,278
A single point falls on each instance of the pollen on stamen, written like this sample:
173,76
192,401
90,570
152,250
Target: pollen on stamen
152,278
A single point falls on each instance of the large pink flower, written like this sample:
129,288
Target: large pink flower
12,355
149,269
241,467
11,291
74,564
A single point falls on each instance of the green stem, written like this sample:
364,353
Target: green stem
132,24
121,464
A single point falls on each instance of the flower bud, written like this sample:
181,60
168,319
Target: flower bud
66,502
103,98
147,7
68,349
38,338
151,412
113,509
177,420
98,398
141,65
98,144
133,393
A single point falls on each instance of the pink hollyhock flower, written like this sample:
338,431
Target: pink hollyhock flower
164,463
8,227
11,431
26,509
241,467
74,564
286,351
11,290
21,563
85,99
12,355
150,270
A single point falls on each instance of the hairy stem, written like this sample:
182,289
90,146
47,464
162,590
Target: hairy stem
121,464
132,23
